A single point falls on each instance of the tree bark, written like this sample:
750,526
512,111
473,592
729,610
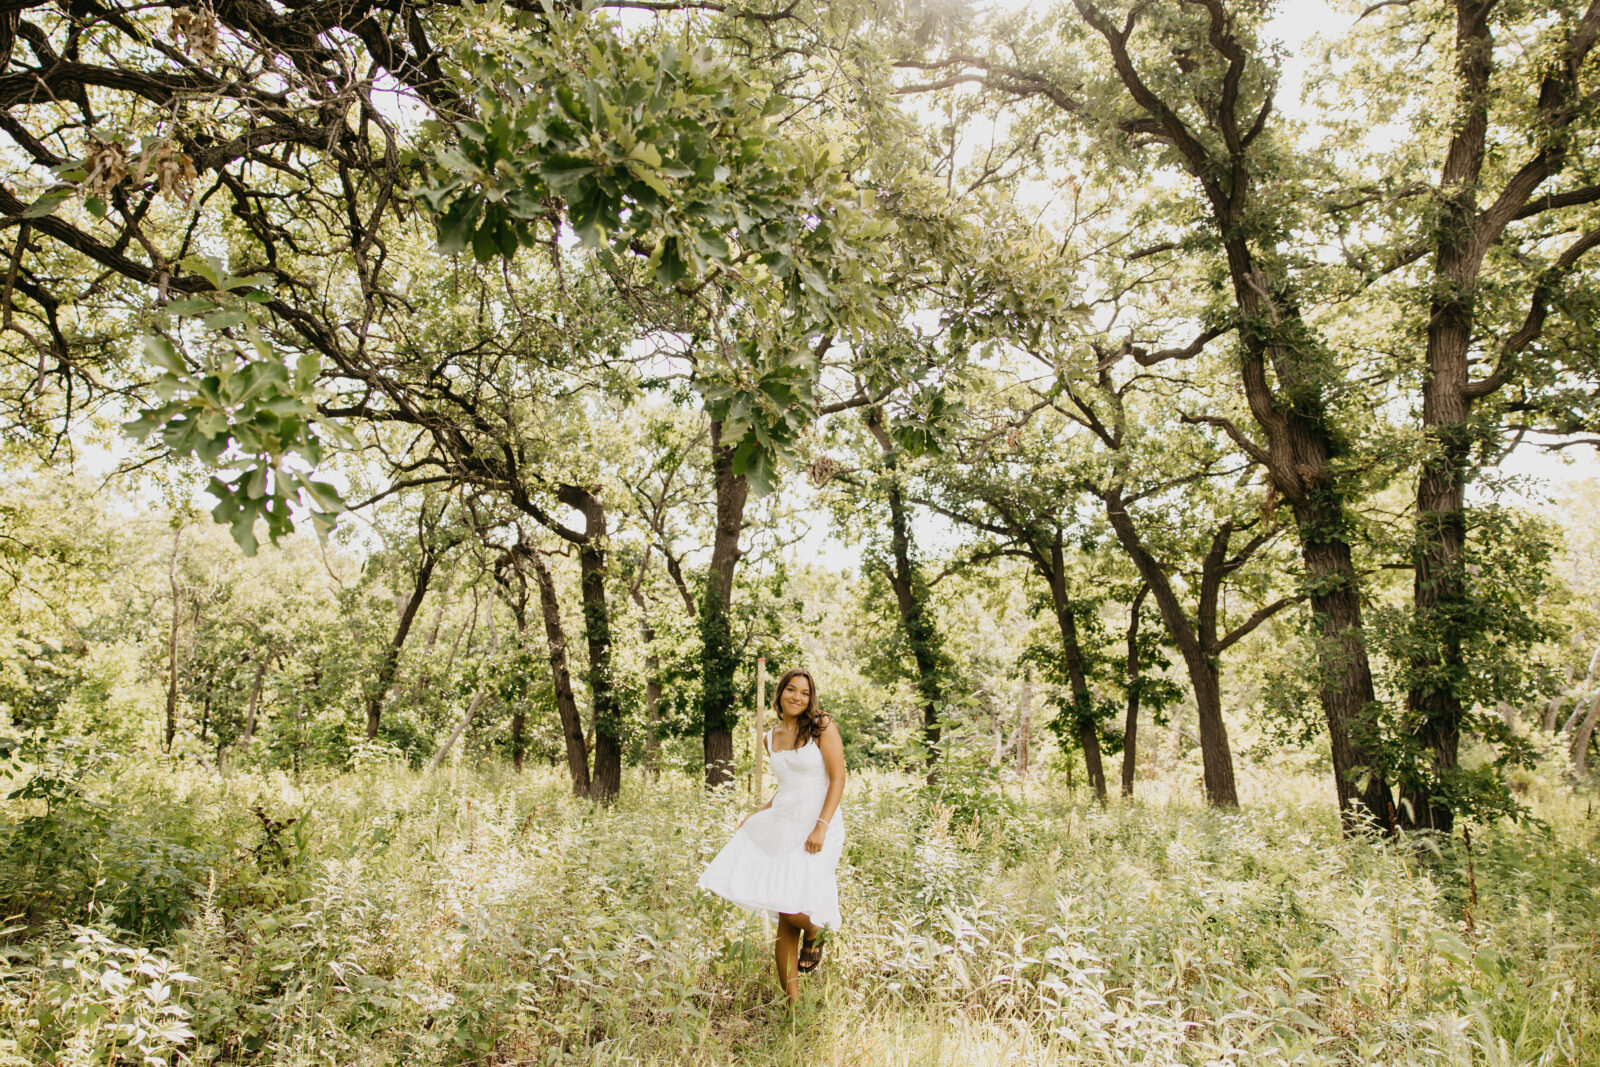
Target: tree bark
170,730
1552,710
391,657
1025,719
1347,691
1130,727
1216,756
1072,653
255,699
606,779
717,658
461,726
1439,586
566,706
1462,238
1302,444
911,595
1580,739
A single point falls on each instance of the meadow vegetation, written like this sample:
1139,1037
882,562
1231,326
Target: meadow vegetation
384,915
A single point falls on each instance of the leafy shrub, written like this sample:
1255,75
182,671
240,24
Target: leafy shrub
99,1001
80,850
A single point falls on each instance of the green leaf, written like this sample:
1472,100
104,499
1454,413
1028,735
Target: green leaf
208,267
671,267
505,238
483,244
646,153
95,205
306,369
192,305
140,428
159,352
754,462
221,320
457,224
46,204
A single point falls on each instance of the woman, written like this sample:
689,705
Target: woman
782,859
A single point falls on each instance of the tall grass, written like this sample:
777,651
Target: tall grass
490,918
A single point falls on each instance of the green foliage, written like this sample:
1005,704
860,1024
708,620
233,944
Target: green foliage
1502,625
66,848
968,796
100,1001
646,142
764,402
240,410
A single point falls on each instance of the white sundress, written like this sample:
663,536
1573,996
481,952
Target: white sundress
765,868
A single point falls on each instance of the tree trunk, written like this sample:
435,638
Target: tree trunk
911,596
1347,692
1552,710
171,728
1082,701
717,658
1550,715
1580,739
607,716
566,706
1089,738
1463,236
1438,598
1025,720
255,698
1302,442
1216,756
1130,728
444,749
391,657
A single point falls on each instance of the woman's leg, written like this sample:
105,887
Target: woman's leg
786,954
809,956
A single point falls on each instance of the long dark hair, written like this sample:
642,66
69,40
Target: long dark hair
813,720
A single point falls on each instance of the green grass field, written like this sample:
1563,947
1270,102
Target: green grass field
489,918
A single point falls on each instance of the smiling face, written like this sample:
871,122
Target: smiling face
796,696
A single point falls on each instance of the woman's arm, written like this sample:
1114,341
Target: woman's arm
833,761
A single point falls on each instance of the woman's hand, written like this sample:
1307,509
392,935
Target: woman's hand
819,833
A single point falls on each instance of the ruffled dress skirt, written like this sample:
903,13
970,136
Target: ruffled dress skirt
766,867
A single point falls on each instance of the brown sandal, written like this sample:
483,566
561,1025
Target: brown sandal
811,951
